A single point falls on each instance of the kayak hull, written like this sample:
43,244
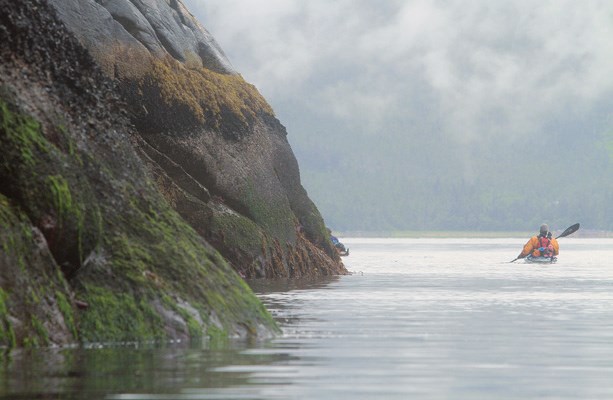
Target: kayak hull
540,260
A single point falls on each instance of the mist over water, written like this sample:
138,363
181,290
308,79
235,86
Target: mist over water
436,318
419,318
428,115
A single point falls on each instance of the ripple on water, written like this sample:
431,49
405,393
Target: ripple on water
424,318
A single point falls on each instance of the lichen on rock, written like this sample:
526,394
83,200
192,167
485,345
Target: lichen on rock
81,222
192,108
171,97
139,174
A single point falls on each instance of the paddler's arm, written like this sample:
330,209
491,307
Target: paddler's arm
556,246
528,247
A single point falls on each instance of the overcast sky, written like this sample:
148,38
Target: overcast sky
483,67
383,93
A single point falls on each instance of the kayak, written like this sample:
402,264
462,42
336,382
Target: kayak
340,248
540,260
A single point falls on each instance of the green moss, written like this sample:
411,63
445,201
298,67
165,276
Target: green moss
24,132
62,198
37,279
66,208
277,219
193,327
16,236
242,289
218,338
238,232
67,311
32,297
71,210
113,316
131,258
69,144
46,181
206,93
41,332
7,334
147,251
39,336
167,256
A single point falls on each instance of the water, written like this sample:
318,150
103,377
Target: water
419,318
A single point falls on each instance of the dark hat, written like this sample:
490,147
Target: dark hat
544,228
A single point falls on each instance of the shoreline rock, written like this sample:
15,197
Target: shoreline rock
210,140
142,177
82,222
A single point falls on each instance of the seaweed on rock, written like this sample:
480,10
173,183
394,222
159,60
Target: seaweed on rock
82,222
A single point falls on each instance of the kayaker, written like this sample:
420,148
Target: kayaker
338,245
541,245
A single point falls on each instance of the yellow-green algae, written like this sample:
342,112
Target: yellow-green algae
23,132
45,181
7,334
206,93
142,250
31,283
67,311
237,231
186,97
277,219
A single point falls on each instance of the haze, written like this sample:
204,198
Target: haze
413,115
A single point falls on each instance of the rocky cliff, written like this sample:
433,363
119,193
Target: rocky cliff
213,144
138,172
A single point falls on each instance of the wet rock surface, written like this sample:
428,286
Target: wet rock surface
159,26
141,177
90,249
202,126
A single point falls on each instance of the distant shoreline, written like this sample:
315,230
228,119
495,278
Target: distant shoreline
464,234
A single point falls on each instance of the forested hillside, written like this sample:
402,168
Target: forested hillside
425,181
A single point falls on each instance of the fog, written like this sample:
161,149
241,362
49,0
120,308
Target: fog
436,114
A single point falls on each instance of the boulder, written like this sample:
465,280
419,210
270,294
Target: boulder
90,249
195,114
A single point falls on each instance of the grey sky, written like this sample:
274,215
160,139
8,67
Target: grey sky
389,104
484,67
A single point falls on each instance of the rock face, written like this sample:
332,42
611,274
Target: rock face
81,221
217,152
137,182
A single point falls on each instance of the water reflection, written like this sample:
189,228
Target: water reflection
95,373
198,370
265,286
427,319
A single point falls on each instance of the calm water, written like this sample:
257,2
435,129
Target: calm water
419,318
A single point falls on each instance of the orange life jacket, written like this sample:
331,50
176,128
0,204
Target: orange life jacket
545,248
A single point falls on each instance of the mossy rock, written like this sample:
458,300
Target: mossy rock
35,309
118,242
44,179
173,96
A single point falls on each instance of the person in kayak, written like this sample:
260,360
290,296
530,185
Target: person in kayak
542,245
342,250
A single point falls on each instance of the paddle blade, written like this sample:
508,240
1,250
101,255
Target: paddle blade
569,230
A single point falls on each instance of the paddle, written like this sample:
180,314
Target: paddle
568,231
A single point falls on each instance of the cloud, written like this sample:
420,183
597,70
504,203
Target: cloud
485,68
